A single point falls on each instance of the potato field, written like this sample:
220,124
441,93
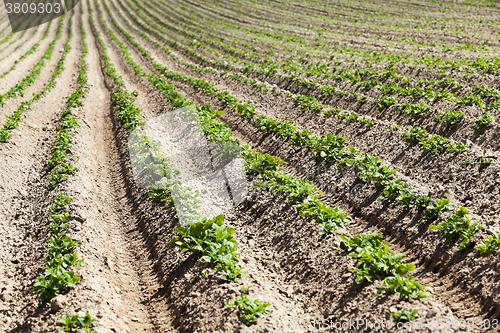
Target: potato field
369,142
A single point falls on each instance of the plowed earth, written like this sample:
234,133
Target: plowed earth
133,282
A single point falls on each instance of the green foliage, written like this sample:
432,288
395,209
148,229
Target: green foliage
251,310
370,84
436,208
61,245
308,103
471,100
330,218
366,122
406,198
484,162
304,139
61,174
405,315
457,148
129,113
246,111
72,323
332,112
435,144
260,163
285,130
58,280
422,202
415,110
406,287
394,128
214,242
60,202
483,121
226,99
385,102
495,105
358,242
372,171
20,88
328,147
379,261
490,246
415,135
352,117
389,89
458,224
297,190
450,118
393,190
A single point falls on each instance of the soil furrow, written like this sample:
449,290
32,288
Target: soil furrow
25,203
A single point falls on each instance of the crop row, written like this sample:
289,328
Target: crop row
436,143
29,52
14,120
59,278
210,238
414,110
291,65
296,190
356,18
9,37
321,32
330,149
22,44
487,65
129,115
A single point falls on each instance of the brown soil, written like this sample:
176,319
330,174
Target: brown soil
133,282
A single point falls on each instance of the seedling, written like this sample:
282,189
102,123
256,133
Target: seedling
422,202
405,315
406,287
450,118
457,148
246,111
331,218
484,162
328,147
372,171
415,110
260,163
394,128
297,190
385,102
489,247
392,190
471,100
214,242
58,280
483,121
435,144
72,323
246,289
251,310
436,208
332,112
458,224
366,122
406,198
415,135
352,117
375,257
359,242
